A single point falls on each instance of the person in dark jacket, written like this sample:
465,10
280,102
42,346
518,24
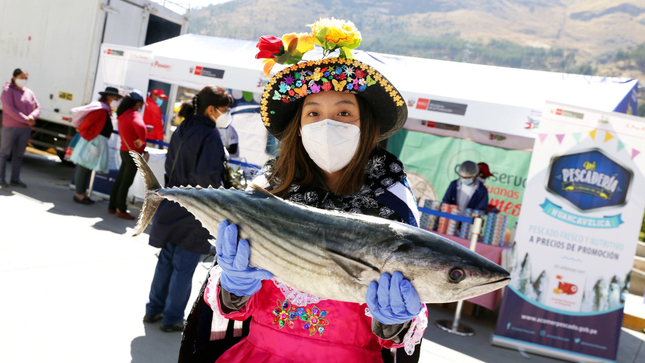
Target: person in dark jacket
467,191
195,157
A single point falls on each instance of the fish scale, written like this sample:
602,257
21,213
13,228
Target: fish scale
331,254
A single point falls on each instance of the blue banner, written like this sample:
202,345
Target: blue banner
556,211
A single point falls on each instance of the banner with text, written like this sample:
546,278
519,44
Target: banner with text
576,236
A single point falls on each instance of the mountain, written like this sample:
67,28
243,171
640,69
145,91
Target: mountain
599,37
590,27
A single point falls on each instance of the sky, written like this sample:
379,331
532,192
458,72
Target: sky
188,3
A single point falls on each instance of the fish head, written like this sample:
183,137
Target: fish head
448,272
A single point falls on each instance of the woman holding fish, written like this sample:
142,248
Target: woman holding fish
329,115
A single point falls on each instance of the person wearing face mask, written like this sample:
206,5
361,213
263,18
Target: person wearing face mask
20,109
153,115
97,123
132,132
329,158
467,191
195,157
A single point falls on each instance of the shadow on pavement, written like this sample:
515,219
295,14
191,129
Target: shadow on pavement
155,346
49,180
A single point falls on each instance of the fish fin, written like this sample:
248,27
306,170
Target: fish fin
152,198
360,270
256,189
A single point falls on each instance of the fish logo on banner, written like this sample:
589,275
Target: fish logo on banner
589,180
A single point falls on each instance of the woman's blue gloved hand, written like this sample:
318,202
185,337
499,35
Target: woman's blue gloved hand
393,300
233,257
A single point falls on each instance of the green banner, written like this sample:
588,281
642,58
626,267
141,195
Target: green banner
437,158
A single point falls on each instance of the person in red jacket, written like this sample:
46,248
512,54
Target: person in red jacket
132,130
152,117
97,122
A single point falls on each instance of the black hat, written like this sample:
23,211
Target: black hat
286,89
110,91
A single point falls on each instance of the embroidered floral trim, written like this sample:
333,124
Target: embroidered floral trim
284,314
314,76
295,297
314,319
382,171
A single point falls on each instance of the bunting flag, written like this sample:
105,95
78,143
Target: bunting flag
608,136
621,145
634,153
576,136
542,137
593,134
560,138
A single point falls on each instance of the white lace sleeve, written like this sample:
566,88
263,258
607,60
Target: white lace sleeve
415,333
219,323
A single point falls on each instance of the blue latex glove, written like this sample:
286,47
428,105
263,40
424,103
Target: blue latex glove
233,257
393,300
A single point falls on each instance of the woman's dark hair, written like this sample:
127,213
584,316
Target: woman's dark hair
187,110
126,104
294,165
211,96
16,73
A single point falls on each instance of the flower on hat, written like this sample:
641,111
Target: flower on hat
332,34
288,50
269,47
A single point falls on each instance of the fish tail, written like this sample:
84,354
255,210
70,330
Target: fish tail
152,197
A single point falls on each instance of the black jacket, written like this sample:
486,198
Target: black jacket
197,147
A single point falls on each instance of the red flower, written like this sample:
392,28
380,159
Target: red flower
269,47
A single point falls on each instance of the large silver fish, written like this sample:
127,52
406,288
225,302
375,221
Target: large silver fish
331,254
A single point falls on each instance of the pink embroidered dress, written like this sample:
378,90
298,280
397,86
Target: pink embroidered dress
292,326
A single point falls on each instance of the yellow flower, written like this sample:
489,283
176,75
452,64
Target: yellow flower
332,34
305,43
298,44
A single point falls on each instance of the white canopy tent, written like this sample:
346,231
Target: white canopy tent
490,98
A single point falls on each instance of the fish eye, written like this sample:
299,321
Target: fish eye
456,274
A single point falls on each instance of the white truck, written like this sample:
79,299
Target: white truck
58,43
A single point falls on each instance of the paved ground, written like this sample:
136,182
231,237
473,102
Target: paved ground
74,285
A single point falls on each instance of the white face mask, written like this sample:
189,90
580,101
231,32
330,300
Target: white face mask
115,104
331,144
21,83
223,120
